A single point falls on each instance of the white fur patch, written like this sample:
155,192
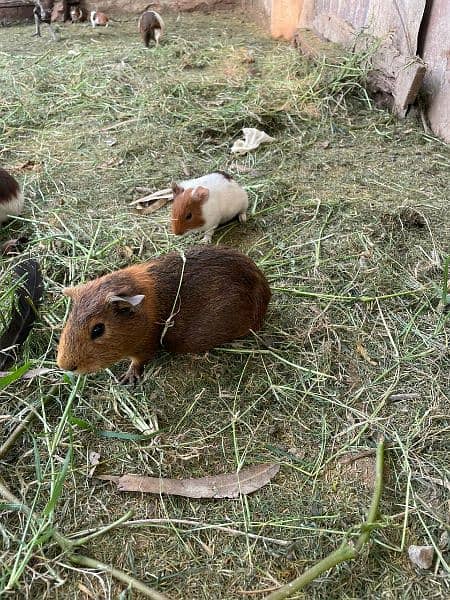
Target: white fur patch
227,199
12,208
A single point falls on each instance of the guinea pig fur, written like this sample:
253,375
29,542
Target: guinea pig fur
99,18
76,14
11,199
214,297
204,203
151,26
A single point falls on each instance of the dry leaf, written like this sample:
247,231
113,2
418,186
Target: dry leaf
422,556
214,486
166,193
360,349
146,210
31,374
94,459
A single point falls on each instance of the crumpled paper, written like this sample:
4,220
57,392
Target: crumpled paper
252,139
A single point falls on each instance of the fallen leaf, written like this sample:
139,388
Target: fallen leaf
421,556
166,193
214,486
361,350
94,459
154,206
31,374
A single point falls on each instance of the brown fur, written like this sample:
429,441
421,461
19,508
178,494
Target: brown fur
223,296
101,18
77,15
147,25
9,188
185,203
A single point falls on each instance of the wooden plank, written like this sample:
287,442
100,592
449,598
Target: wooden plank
393,74
407,85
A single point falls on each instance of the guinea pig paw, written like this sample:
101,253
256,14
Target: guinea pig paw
207,239
242,217
132,376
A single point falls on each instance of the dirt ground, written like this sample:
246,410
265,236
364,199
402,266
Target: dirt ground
349,220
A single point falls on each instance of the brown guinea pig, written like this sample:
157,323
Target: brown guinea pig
212,297
151,26
11,199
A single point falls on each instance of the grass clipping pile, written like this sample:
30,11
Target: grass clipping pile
355,346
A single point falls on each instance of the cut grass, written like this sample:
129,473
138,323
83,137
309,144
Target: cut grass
86,120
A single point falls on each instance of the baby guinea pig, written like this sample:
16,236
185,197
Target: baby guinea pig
99,18
151,26
214,297
11,199
204,203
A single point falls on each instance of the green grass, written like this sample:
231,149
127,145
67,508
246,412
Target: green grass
357,316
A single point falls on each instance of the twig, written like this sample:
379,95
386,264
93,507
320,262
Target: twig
357,456
84,540
348,550
401,397
197,524
92,563
120,124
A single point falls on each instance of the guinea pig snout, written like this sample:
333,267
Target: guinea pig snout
66,365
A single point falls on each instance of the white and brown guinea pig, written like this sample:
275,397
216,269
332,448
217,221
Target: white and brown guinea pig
76,14
11,199
204,203
151,26
99,18
212,297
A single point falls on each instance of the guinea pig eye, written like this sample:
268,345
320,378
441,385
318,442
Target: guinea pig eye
188,217
97,331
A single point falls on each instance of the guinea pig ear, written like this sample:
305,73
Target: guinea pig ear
126,302
176,189
201,194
